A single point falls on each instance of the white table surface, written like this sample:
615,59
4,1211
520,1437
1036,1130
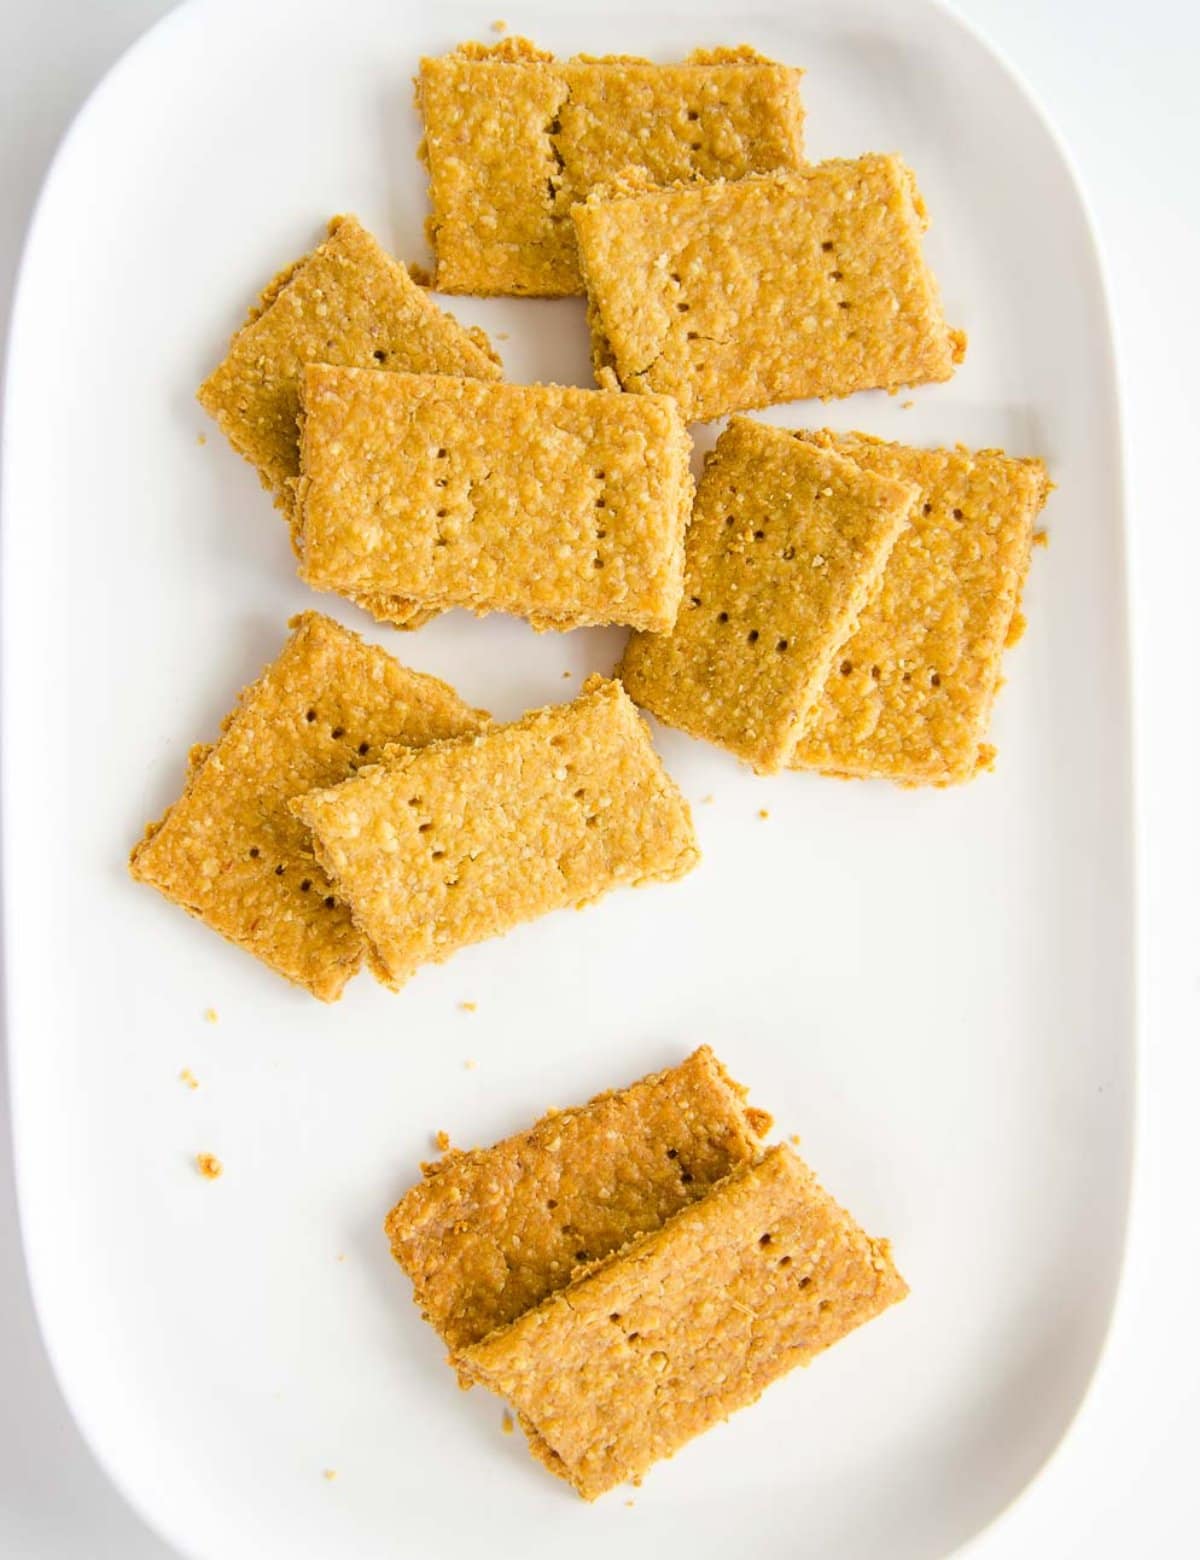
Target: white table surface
1121,84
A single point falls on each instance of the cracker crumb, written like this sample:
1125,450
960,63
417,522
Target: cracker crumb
707,800
500,26
341,1256
470,1065
907,406
330,1474
210,1015
201,438
506,1424
209,1166
186,1075
794,1140
1041,538
629,1503
763,813
566,674
469,1007
501,335
442,1139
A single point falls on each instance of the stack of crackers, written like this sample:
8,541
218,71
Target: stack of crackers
355,810
629,1273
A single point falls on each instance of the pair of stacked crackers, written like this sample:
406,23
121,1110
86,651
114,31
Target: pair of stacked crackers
629,1273
353,810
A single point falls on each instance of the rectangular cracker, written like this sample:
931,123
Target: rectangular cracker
514,137
911,694
462,841
489,1234
231,853
562,505
687,1324
347,302
786,543
785,285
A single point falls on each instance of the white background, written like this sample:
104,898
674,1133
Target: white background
1120,83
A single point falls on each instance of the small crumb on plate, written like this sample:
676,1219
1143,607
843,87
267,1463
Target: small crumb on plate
186,1075
209,1166
506,1424
210,1015
469,1007
442,1139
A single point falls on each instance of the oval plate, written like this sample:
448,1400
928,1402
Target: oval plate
933,989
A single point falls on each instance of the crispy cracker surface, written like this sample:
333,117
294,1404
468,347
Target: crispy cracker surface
687,1324
474,837
735,295
786,543
514,137
347,302
488,1234
231,853
910,696
562,505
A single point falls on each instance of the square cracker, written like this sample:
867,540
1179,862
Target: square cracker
784,285
911,694
231,853
490,1233
687,1324
347,302
561,505
462,841
786,543
513,137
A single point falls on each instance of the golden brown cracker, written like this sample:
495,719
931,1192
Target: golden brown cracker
231,853
911,693
561,505
490,1233
347,302
730,296
433,853
785,545
687,1324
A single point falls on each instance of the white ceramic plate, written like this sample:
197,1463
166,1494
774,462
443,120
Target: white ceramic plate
932,989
